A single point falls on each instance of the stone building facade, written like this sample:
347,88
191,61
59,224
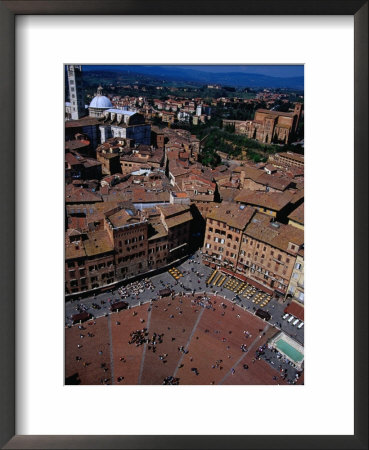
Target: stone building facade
269,126
89,261
223,234
268,252
116,123
128,232
288,159
128,243
296,286
251,244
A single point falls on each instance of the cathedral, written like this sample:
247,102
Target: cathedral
103,120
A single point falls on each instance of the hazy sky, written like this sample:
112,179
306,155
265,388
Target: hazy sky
271,70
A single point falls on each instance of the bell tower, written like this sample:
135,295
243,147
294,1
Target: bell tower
76,96
297,113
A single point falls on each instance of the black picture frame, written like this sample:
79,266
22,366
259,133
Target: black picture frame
8,11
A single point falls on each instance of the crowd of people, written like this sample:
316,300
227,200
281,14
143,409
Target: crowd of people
170,380
203,301
141,337
136,288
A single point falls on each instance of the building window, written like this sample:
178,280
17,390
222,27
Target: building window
297,266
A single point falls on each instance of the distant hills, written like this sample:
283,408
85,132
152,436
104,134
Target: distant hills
174,73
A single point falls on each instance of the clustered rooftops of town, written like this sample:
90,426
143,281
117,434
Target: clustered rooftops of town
138,198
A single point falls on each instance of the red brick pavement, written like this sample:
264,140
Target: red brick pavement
129,321
89,352
206,333
211,347
259,372
155,370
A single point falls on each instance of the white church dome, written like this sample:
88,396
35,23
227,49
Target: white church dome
100,101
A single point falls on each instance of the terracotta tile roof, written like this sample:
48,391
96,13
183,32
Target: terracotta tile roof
176,170
298,214
296,309
270,200
172,155
74,250
80,195
180,194
232,214
275,234
142,196
298,195
201,197
228,194
252,173
173,221
123,217
72,160
76,144
85,121
201,179
156,231
98,242
172,210
274,181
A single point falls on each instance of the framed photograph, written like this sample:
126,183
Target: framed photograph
175,177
